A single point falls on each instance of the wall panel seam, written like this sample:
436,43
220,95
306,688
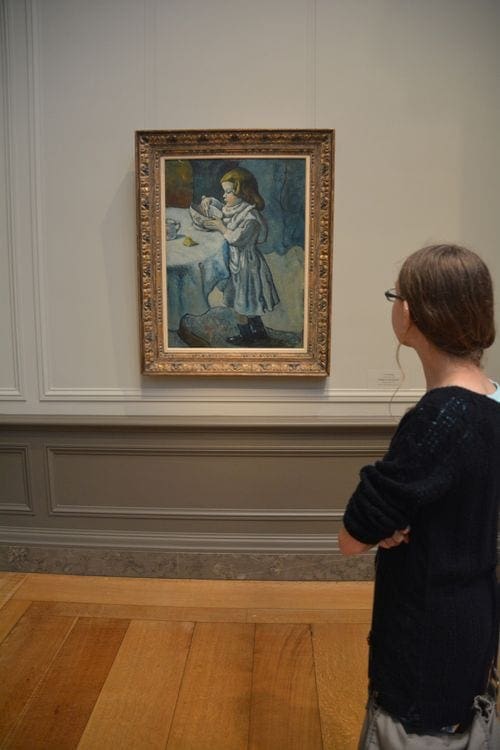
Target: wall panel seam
16,392
35,191
196,513
195,450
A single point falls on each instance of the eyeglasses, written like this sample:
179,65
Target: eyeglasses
392,295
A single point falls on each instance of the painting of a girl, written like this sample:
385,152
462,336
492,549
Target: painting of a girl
250,289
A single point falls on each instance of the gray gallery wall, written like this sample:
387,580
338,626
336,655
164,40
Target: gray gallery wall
411,90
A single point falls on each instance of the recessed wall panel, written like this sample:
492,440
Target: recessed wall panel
200,483
89,74
15,480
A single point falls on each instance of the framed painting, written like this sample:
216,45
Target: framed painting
234,232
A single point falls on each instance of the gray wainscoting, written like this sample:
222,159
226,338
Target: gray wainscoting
251,499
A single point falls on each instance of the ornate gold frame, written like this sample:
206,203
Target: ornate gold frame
317,147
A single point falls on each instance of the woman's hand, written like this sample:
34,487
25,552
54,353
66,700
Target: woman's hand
217,224
399,537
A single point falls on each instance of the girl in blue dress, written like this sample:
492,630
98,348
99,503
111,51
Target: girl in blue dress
250,290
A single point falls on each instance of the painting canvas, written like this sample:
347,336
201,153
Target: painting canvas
234,234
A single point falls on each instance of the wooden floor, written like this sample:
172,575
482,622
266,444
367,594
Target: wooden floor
95,662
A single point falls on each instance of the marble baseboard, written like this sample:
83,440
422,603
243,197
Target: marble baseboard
198,565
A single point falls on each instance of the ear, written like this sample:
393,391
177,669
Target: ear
407,325
407,314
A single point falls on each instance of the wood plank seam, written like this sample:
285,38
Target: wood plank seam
12,591
30,700
251,685
61,706
24,605
181,683
315,664
310,630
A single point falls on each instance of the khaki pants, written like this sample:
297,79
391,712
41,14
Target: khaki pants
383,732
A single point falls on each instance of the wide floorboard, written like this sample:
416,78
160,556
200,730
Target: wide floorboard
104,662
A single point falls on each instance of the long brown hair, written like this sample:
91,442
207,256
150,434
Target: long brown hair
449,292
245,186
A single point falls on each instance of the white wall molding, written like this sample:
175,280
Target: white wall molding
225,395
11,394
35,192
16,391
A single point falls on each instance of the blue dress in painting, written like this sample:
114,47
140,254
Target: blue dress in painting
250,289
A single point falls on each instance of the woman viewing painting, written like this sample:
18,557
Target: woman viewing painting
431,506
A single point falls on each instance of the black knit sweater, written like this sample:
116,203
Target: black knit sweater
435,619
